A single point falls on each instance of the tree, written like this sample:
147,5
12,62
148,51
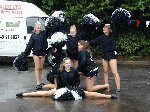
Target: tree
76,9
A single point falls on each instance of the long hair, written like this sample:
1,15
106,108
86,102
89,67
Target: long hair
86,46
62,67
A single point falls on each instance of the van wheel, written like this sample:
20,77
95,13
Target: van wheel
49,57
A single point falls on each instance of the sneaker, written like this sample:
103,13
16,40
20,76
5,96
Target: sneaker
40,86
118,90
19,94
113,96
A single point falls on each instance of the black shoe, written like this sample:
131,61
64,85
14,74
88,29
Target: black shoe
113,96
118,90
19,94
40,86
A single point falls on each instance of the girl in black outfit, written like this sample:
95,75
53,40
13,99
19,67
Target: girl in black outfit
108,53
38,44
88,67
72,45
67,86
58,56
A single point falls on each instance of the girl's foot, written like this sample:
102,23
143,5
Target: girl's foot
118,90
19,94
107,87
39,86
113,96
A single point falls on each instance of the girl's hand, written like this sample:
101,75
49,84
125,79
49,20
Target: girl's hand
80,73
55,49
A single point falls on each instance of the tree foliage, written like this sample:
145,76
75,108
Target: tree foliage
76,9
134,44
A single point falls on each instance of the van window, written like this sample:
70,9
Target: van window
31,23
13,24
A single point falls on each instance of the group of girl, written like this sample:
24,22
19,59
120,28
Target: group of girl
79,62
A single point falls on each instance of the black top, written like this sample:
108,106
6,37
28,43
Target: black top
85,62
72,45
57,58
37,42
68,79
108,43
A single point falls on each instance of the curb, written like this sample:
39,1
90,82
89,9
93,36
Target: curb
141,63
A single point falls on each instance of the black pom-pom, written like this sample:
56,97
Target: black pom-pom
63,94
91,25
120,17
69,93
90,19
21,62
58,40
56,22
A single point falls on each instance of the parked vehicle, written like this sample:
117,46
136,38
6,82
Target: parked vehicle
17,20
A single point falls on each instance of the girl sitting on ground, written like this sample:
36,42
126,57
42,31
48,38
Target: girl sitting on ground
67,86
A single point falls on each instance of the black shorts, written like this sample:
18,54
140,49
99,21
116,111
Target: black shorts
39,53
109,55
93,72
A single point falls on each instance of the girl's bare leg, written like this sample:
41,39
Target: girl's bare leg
49,86
40,93
96,95
38,61
98,87
90,85
113,66
105,70
42,60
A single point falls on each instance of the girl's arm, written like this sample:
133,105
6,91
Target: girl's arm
47,33
77,77
96,41
81,35
29,46
82,60
59,81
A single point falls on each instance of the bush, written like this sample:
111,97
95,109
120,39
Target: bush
96,51
133,44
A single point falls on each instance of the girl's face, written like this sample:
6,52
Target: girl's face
80,47
106,31
67,64
73,32
38,28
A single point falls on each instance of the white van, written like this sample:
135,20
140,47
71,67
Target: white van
17,20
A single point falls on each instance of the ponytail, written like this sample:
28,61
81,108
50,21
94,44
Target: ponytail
86,46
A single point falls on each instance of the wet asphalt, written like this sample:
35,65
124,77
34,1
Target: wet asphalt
134,95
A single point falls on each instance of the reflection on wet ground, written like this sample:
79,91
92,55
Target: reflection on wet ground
134,95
